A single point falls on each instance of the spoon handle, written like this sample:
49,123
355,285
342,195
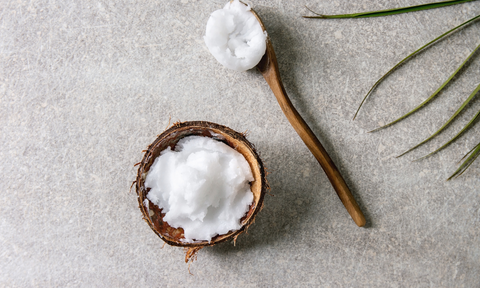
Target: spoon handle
269,69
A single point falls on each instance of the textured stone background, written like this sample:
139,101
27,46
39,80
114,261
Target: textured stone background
86,85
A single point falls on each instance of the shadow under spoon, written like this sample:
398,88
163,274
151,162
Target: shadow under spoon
268,66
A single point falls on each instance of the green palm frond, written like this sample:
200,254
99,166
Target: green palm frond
446,123
474,153
410,56
469,124
434,93
389,12
471,156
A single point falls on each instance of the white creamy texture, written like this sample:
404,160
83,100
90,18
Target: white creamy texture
234,37
202,186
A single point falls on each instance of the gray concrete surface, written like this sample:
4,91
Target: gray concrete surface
86,85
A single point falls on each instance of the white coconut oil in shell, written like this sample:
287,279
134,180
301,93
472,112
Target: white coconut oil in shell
203,186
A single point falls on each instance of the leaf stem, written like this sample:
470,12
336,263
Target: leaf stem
388,12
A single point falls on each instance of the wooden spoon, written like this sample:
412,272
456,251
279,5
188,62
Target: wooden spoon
269,68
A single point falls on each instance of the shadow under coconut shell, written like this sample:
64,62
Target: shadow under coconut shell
285,43
282,216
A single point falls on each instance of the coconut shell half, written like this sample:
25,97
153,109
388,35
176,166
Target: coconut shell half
153,214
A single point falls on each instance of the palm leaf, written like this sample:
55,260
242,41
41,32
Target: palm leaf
410,56
474,153
434,93
470,123
389,11
448,122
